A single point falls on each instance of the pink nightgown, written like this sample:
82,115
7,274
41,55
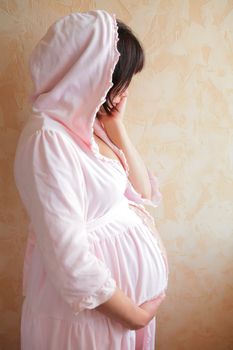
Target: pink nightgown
84,236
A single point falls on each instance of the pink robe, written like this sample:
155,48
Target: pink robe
84,237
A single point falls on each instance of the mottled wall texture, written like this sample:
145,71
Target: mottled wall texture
179,114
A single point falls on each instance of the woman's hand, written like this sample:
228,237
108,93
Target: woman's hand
150,309
122,309
120,103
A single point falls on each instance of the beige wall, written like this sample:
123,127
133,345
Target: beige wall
179,115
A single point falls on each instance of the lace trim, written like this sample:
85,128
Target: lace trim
156,195
115,58
100,296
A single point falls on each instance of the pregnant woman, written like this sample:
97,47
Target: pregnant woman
95,269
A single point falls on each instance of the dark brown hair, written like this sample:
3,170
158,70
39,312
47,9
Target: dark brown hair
131,61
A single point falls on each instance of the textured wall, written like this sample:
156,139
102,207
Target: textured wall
179,115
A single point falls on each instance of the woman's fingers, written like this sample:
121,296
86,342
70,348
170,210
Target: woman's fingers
152,305
161,295
121,108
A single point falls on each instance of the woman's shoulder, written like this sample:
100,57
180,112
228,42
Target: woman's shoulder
44,149
50,129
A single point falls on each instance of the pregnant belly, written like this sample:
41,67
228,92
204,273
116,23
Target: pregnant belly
133,255
148,220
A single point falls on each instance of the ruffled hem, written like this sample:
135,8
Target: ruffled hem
156,195
99,297
115,57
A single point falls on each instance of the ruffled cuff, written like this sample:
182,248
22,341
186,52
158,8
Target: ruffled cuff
156,195
96,299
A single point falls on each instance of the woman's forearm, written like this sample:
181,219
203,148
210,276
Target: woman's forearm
137,170
122,309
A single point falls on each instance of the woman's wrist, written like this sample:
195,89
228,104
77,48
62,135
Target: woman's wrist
114,127
123,310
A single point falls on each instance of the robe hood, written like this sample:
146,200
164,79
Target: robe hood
71,68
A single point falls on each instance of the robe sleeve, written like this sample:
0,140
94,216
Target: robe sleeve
51,184
135,196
